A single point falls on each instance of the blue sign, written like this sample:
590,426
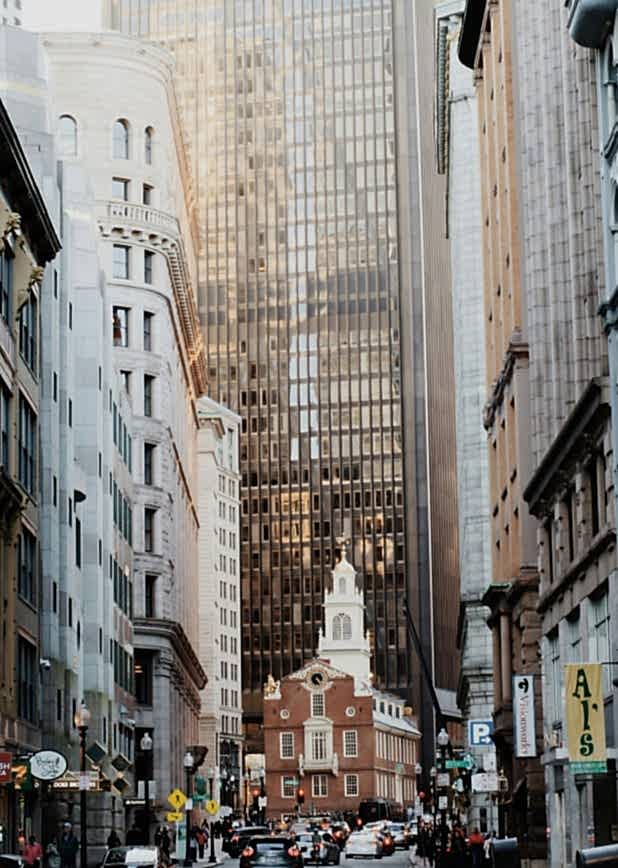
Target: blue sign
480,733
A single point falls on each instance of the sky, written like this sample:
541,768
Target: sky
62,14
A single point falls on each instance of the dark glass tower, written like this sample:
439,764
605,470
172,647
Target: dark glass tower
290,116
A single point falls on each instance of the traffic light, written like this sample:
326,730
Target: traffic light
300,796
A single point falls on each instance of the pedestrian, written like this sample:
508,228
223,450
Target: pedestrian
134,835
33,853
68,847
477,848
166,842
52,855
113,840
200,837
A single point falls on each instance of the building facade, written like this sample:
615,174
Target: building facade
11,12
457,152
28,242
314,297
134,157
219,597
327,731
487,46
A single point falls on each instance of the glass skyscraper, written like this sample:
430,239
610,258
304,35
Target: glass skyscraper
289,110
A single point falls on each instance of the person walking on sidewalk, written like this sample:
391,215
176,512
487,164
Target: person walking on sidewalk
33,853
68,847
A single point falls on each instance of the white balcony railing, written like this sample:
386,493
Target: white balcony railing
142,216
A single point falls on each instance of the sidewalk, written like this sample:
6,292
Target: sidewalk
220,855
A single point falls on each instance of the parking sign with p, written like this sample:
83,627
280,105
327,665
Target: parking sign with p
480,733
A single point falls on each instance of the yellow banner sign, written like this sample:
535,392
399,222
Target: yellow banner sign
585,717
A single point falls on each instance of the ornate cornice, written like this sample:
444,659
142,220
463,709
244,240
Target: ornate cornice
172,631
517,349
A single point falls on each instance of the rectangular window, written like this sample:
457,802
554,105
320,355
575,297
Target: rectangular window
5,426
120,262
27,566
120,321
27,671
350,743
28,326
147,194
319,749
148,317
148,389
317,705
149,529
6,284
143,678
594,496
351,786
27,445
148,270
599,641
286,745
288,787
149,449
120,189
319,786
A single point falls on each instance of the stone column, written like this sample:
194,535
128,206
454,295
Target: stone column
505,656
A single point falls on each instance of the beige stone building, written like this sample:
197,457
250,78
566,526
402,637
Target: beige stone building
28,241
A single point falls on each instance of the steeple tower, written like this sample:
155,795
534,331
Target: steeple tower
344,643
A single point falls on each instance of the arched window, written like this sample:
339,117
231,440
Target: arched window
342,585
148,137
121,140
337,627
67,136
347,627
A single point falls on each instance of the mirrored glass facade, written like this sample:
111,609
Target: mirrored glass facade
289,118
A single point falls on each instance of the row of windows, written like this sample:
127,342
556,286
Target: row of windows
319,786
223,589
229,670
233,644
123,667
229,698
122,512
394,747
223,619
121,437
121,322
121,188
122,139
122,264
319,744
123,588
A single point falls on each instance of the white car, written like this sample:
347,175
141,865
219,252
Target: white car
366,843
131,857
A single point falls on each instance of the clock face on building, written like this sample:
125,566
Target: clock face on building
316,678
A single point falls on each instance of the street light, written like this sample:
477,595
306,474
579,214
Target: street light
503,789
419,771
443,742
188,764
211,828
82,720
146,747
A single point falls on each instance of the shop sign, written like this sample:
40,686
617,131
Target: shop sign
47,765
523,716
585,717
74,781
6,761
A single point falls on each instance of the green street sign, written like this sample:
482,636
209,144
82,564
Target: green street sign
598,767
459,764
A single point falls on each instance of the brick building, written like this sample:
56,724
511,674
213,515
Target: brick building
327,730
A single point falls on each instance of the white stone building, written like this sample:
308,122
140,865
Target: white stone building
458,158
219,596
132,151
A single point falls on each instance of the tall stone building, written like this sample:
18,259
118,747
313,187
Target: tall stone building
457,152
219,597
28,241
487,46
316,293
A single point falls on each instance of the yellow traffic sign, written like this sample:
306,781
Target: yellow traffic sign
177,799
212,807
173,817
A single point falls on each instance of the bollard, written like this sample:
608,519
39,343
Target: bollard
606,856
505,853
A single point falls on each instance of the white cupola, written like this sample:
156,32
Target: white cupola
344,642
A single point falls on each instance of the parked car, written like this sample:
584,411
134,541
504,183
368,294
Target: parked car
271,852
240,837
11,860
322,852
363,844
131,857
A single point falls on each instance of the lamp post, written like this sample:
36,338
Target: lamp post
211,779
418,770
443,741
146,747
434,804
188,764
503,788
82,720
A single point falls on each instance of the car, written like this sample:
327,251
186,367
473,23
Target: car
271,851
383,830
237,842
323,852
340,832
131,857
401,836
366,843
11,860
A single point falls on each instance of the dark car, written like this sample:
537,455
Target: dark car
321,849
271,852
236,843
10,860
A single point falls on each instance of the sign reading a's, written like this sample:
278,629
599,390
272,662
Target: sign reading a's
523,716
585,717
